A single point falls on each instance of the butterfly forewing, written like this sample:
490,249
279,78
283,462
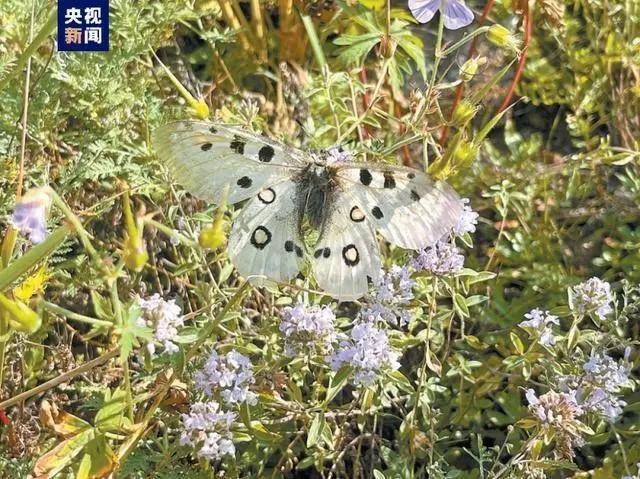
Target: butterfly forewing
265,238
346,254
407,207
207,158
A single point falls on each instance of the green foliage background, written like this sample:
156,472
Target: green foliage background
556,182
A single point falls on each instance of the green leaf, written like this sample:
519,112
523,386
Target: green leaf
131,332
338,381
110,417
315,430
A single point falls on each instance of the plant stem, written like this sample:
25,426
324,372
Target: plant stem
63,378
54,308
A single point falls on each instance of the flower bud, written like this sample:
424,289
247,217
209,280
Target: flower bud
503,38
465,153
464,112
199,109
134,253
468,69
20,316
212,236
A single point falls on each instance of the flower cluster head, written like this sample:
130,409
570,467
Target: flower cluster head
337,154
368,351
308,330
557,415
231,375
538,324
467,221
592,296
441,259
30,214
164,318
598,388
456,14
392,293
208,428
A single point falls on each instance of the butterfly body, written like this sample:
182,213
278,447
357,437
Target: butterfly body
346,201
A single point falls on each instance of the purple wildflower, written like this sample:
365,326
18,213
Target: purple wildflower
164,318
231,375
456,14
538,324
208,429
592,296
308,330
337,154
30,214
393,291
467,221
441,259
368,351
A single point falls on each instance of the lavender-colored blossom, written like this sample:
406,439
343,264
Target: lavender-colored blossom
208,429
231,375
337,154
441,259
368,351
594,295
538,324
598,388
30,214
467,221
392,293
558,413
164,318
456,14
308,330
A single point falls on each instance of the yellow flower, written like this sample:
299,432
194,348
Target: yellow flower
20,316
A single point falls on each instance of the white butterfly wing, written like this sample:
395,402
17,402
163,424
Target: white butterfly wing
405,205
265,238
346,254
206,157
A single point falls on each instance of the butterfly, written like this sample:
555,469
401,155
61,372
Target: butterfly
286,189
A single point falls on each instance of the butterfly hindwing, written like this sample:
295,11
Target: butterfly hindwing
407,207
207,157
346,254
265,238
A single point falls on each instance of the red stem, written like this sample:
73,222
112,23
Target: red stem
528,27
460,89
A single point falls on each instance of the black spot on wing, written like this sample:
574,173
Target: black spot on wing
299,251
365,177
324,252
237,144
206,146
244,182
267,196
266,154
356,214
288,246
411,176
414,195
377,212
350,255
260,237
213,130
389,180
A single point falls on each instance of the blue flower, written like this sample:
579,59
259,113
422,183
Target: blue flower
456,14
30,214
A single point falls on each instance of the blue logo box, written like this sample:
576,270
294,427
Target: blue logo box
83,25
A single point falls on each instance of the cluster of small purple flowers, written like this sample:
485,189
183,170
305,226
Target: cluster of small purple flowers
308,330
592,296
538,325
598,388
231,375
558,416
164,318
368,351
391,296
208,428
445,258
